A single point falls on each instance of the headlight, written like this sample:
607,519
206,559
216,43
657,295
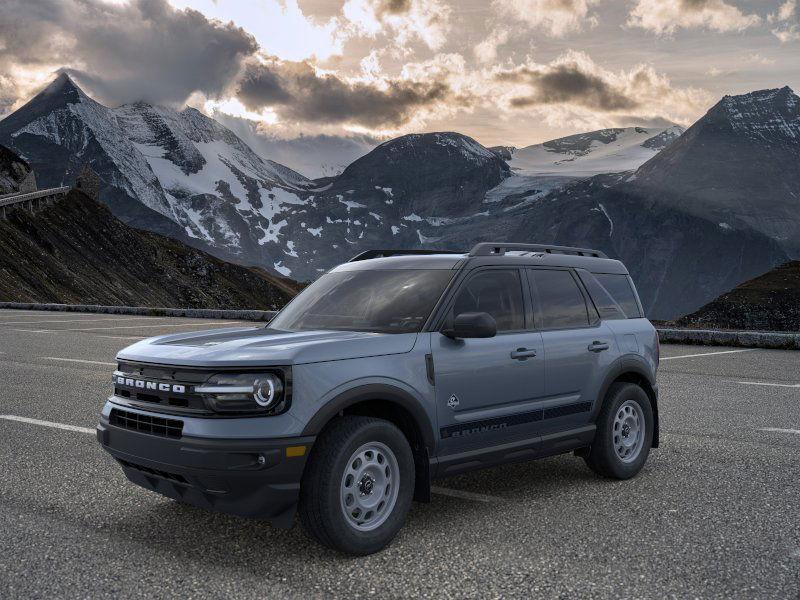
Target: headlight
244,393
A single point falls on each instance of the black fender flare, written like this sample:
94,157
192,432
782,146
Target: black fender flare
374,391
637,365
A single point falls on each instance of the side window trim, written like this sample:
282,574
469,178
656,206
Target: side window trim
586,301
453,292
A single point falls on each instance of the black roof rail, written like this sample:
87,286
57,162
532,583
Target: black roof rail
499,248
386,253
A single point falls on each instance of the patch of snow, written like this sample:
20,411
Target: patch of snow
610,221
283,270
426,240
412,217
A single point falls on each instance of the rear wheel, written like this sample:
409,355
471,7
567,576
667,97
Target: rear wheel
624,433
358,486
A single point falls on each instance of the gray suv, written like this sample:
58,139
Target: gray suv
391,370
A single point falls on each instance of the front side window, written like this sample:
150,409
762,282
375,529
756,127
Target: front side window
497,292
397,301
560,300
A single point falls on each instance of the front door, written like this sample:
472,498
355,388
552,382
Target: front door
487,389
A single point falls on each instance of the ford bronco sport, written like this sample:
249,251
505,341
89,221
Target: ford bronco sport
388,371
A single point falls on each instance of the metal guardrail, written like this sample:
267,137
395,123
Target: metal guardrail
10,199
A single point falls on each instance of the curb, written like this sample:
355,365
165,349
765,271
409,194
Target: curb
745,339
196,313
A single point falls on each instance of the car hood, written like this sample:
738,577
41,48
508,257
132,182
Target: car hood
257,346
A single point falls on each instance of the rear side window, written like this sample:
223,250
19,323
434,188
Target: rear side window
607,307
621,289
560,300
497,292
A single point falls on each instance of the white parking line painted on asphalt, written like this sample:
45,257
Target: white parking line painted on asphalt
777,430
465,495
47,424
127,327
783,385
78,360
707,354
71,321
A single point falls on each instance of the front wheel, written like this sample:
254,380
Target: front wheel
358,486
624,433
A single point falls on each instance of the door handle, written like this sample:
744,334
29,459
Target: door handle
522,354
598,346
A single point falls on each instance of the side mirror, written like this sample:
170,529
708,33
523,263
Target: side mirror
472,325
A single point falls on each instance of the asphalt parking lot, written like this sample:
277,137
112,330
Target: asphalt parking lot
714,514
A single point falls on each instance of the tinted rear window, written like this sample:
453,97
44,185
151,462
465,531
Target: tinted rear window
621,289
560,300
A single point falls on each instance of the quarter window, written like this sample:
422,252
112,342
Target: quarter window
497,292
620,288
560,300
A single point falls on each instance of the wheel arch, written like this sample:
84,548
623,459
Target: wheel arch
397,406
633,370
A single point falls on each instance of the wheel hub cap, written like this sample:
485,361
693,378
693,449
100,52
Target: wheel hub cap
369,486
366,485
629,431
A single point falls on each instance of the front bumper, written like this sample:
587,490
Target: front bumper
245,477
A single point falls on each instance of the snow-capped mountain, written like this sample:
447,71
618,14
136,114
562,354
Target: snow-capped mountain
177,172
718,206
593,153
388,197
739,165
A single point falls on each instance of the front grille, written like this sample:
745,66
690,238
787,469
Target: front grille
185,402
171,428
171,476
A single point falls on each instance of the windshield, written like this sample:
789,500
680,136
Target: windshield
396,301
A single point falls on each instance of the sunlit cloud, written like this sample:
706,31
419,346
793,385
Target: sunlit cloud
573,86
664,17
786,18
280,27
555,17
405,21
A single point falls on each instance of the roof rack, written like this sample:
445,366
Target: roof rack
498,249
386,253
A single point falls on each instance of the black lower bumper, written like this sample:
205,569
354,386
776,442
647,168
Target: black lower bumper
248,478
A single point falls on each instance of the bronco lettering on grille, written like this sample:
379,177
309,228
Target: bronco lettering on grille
155,386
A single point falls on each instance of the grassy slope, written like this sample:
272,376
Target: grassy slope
75,252
770,302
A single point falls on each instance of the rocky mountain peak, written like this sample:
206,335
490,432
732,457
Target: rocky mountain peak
763,114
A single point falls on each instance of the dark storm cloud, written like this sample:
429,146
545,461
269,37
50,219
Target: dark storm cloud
297,92
141,50
567,83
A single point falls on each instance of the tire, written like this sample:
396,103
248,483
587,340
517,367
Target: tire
615,453
349,463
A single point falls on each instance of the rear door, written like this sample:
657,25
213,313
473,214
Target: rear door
487,389
578,348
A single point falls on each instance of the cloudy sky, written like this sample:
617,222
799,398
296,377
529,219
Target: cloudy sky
503,71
